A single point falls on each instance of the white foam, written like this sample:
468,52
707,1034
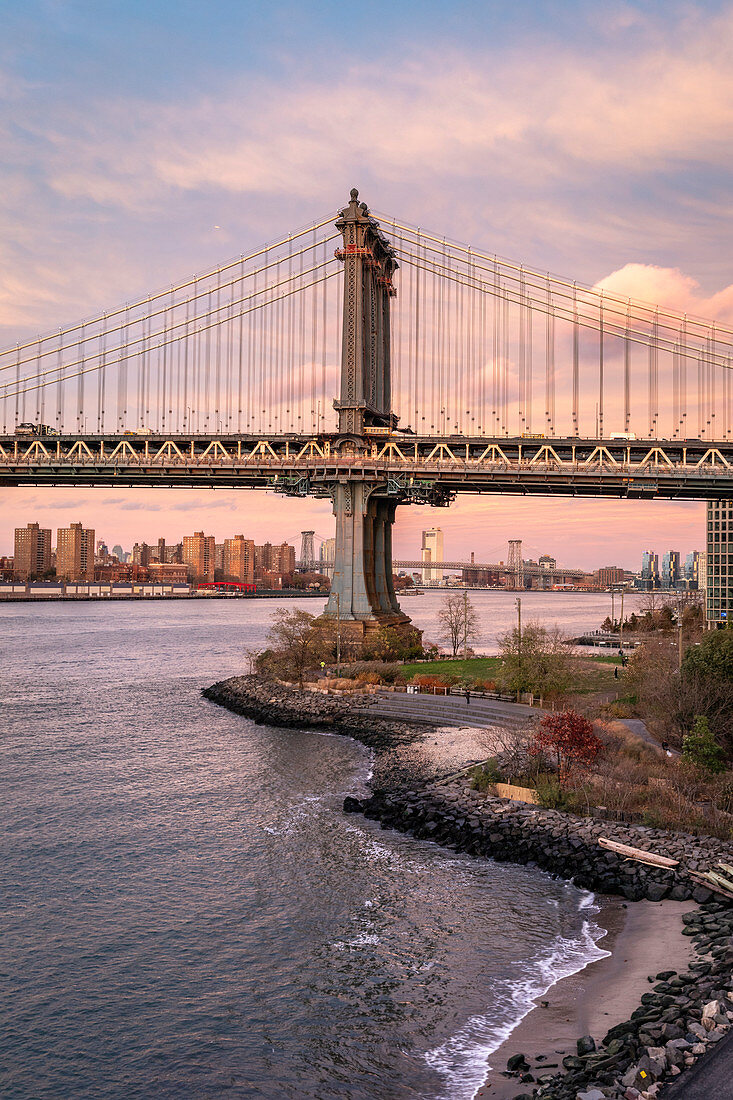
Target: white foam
463,1059
364,939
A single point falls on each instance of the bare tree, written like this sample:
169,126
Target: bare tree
297,645
458,620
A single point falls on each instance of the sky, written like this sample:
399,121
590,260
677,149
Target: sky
146,140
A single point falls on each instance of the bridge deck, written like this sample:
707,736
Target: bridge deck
411,468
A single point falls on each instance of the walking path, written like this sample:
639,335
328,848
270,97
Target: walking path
451,710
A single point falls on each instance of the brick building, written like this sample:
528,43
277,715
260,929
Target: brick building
608,575
32,552
199,555
75,553
239,560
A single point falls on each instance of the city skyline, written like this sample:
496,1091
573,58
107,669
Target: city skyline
115,187
497,552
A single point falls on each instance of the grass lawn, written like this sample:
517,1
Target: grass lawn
482,668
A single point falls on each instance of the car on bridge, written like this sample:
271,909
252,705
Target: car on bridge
33,431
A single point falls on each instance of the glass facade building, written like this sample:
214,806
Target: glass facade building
719,588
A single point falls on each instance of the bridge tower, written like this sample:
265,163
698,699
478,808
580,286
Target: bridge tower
369,264
362,596
307,551
515,564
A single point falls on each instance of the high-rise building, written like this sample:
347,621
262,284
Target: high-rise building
548,563
263,559
32,552
719,587
671,569
239,560
691,571
75,553
159,553
284,558
274,559
327,556
432,550
199,554
649,570
119,553
142,554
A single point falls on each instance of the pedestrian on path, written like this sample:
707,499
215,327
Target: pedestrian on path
468,695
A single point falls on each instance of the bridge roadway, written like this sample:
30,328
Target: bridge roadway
418,469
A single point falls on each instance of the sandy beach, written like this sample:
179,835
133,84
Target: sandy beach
644,938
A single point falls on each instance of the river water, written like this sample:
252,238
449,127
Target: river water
188,913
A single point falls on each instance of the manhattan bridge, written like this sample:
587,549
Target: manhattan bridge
453,371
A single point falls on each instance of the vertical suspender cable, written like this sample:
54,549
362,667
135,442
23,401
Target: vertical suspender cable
17,387
216,426
102,373
314,322
324,329
185,418
240,351
676,418
40,389
419,374
548,301
627,372
163,370
80,384
523,361
576,363
60,417
713,387
528,366
683,377
600,367
495,351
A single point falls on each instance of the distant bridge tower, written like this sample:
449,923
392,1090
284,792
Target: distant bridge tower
515,564
307,552
362,594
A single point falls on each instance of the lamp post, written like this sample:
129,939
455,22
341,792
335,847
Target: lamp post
338,635
519,643
465,624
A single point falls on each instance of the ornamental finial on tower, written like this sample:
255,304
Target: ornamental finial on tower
354,194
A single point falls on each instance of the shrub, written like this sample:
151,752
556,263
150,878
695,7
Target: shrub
552,796
699,747
485,685
369,677
426,680
486,775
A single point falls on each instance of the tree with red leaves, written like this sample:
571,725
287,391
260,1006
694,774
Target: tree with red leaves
570,738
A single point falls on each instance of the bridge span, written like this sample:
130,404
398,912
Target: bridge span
425,470
455,371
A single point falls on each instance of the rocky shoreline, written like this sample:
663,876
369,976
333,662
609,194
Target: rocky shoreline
272,704
681,1016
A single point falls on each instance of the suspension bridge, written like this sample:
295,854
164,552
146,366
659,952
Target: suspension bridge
453,371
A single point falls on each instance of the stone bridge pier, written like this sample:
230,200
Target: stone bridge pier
362,599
